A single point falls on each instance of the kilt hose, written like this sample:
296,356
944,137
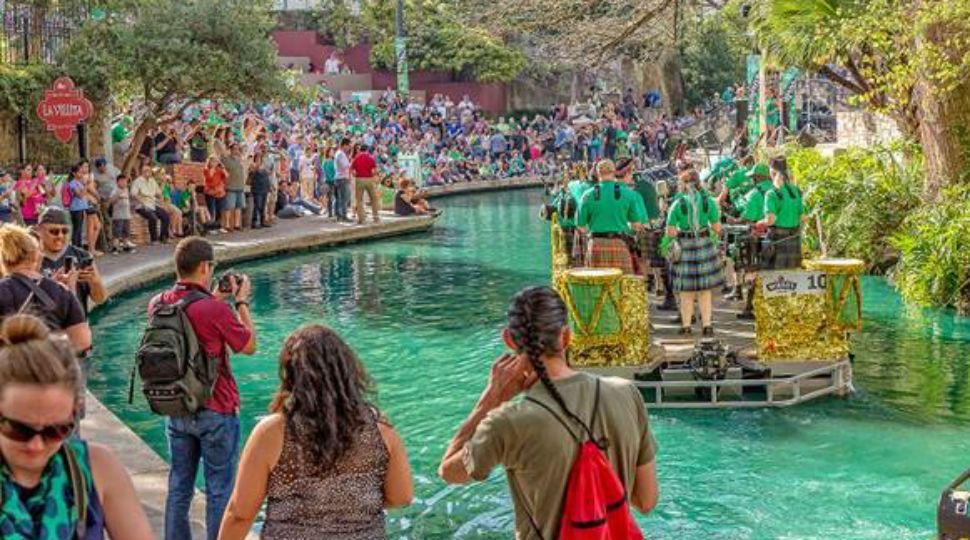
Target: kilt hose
579,243
699,267
610,253
786,248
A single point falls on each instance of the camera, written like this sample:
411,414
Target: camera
226,280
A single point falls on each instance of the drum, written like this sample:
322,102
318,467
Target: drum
843,291
741,246
592,297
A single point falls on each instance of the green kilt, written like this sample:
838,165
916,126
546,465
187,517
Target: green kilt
699,267
609,253
786,249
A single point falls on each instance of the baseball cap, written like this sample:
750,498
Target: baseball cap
53,216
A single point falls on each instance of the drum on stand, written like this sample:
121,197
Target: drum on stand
592,297
843,291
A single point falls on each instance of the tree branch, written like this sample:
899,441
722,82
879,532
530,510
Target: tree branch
839,79
633,27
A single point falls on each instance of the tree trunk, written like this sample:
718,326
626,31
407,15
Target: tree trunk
137,140
665,75
943,134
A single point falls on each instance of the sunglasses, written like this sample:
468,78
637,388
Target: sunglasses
57,231
22,433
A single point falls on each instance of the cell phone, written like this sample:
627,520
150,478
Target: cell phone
86,264
69,263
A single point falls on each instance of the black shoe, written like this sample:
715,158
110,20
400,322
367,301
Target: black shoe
708,331
734,294
668,306
685,331
746,315
725,289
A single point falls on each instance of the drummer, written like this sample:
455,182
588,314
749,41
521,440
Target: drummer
753,212
784,212
564,204
609,211
648,238
581,181
694,219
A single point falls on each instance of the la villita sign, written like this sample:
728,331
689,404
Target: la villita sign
63,108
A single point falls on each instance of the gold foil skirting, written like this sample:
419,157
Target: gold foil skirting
628,347
797,328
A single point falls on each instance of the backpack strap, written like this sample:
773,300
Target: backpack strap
597,190
616,191
556,416
79,487
35,292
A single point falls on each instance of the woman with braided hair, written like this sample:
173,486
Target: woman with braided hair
535,438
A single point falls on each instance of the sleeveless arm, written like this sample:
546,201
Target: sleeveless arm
646,491
398,485
123,514
259,457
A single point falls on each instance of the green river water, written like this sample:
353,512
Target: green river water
424,313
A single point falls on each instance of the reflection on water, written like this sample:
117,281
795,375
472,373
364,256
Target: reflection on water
424,313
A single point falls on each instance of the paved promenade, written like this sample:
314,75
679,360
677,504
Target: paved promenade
126,272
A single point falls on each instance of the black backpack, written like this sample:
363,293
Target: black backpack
39,303
176,373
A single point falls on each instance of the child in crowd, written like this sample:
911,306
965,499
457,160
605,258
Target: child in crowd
121,217
7,198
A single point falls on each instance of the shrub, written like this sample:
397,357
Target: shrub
861,196
934,248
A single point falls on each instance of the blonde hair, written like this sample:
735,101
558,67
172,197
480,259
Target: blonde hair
605,167
17,246
31,354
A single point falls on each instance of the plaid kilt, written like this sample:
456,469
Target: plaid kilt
787,247
699,267
649,242
609,253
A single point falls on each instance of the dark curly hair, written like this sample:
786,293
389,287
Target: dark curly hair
325,393
537,316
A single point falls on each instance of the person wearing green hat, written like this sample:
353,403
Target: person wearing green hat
752,212
784,210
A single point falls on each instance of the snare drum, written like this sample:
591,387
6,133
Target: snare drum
843,290
592,297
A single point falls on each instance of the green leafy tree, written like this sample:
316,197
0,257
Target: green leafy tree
166,55
909,59
440,39
715,47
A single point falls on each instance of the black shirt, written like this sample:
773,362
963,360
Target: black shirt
66,310
50,266
402,207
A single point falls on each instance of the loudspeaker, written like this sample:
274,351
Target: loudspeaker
741,114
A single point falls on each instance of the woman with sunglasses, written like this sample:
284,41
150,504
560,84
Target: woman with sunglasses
53,486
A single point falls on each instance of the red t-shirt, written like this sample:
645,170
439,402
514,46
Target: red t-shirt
216,326
363,165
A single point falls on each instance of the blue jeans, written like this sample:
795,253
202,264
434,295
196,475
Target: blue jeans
341,197
214,438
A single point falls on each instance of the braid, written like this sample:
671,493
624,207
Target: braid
536,318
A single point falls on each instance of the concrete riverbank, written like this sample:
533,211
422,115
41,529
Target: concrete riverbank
128,272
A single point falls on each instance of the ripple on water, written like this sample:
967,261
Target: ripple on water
424,311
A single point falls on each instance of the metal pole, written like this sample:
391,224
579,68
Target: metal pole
400,48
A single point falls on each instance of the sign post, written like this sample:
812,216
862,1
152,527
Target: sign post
63,108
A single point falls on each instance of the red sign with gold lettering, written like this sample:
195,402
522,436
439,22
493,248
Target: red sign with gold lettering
63,108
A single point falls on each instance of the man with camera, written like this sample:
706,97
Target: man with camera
211,433
60,257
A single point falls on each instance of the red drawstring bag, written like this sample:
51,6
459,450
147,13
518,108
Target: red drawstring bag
596,506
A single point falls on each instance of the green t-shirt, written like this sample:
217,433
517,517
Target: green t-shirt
786,205
118,133
648,192
558,202
537,452
753,205
681,215
609,214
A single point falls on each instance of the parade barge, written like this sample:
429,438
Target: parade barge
796,350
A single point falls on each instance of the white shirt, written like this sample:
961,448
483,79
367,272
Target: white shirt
342,164
145,191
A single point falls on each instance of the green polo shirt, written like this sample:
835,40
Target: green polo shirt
648,192
558,202
681,215
753,204
786,205
609,214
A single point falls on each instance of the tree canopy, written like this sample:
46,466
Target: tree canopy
166,55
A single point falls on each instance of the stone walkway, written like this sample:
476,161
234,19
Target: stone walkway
122,273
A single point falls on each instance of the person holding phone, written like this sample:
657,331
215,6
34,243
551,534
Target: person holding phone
63,257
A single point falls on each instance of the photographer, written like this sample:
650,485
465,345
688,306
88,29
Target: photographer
212,433
62,257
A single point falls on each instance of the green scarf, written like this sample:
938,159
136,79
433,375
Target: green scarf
50,512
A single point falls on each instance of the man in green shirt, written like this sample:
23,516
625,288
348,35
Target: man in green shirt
783,211
607,212
752,212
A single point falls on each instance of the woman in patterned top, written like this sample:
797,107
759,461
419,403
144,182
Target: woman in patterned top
326,461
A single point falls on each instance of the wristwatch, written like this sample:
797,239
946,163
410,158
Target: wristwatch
242,303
